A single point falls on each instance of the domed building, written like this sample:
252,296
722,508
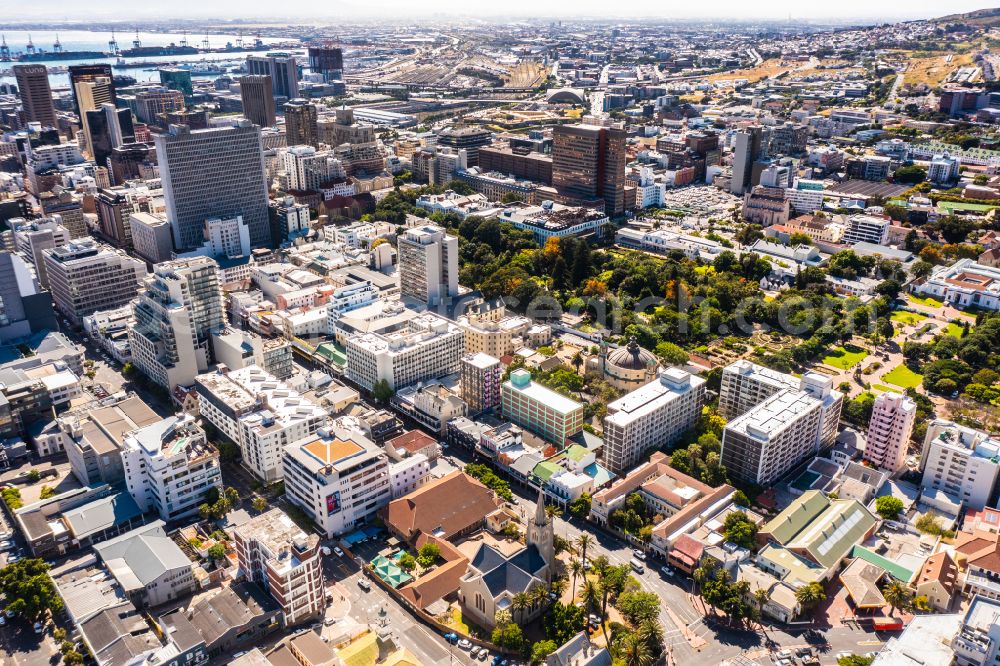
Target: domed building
626,368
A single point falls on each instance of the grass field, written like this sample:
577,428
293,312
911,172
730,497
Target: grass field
934,70
954,330
903,377
926,301
767,68
910,318
882,387
845,357
960,205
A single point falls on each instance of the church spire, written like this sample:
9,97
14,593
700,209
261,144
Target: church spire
541,518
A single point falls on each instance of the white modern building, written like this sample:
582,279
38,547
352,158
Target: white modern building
275,553
978,640
653,415
308,169
764,443
85,276
408,474
889,431
259,413
961,462
428,264
340,479
169,466
31,238
427,347
173,319
662,241
866,229
348,298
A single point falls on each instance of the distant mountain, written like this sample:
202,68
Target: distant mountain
981,17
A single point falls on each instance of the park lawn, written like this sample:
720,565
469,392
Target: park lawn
845,357
882,387
903,377
955,330
926,301
910,318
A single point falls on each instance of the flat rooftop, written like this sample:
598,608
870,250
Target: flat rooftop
771,417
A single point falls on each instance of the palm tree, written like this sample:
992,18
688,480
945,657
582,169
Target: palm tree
502,618
651,633
761,596
576,569
583,541
599,565
521,602
811,595
557,587
897,595
634,651
551,510
591,595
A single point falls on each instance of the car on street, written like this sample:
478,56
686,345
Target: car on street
326,551
8,614
639,555
667,571
451,637
474,652
338,551
483,654
637,566
465,644
364,584
3,620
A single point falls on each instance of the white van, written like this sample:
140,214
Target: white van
637,566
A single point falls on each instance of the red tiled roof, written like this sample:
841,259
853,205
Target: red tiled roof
687,548
413,441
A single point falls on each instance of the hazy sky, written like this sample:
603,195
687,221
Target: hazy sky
301,11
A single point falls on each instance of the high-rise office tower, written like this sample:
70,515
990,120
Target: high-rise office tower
328,61
88,73
258,102
177,79
428,264
25,308
588,163
149,104
889,431
109,128
86,276
172,320
90,95
300,123
747,150
209,173
36,95
469,138
282,69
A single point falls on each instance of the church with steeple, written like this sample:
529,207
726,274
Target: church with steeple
492,578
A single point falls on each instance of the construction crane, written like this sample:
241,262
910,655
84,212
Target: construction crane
30,48
4,49
113,43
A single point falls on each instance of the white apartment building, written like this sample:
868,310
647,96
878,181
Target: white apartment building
889,431
259,413
169,466
428,264
408,474
805,196
308,169
224,237
347,298
340,478
746,385
275,553
961,462
85,276
943,168
31,238
764,443
652,415
866,229
427,347
978,640
173,319
662,241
